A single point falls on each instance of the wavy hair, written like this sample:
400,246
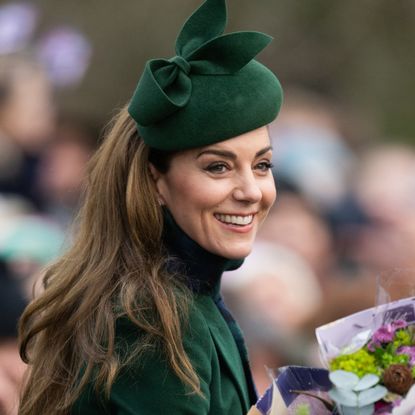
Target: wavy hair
115,268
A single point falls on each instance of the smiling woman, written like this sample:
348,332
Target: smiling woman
221,193
131,320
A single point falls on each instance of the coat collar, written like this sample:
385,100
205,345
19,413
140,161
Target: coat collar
225,346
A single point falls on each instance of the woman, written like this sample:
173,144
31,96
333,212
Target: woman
131,320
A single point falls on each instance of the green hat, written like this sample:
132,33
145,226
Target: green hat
212,90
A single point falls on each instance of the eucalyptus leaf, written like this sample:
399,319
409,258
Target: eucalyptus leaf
366,410
371,395
366,382
343,396
347,410
343,379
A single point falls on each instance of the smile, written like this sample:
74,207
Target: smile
235,219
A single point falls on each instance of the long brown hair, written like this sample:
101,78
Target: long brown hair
114,268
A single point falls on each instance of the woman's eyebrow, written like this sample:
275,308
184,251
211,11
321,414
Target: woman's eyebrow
221,153
263,151
230,155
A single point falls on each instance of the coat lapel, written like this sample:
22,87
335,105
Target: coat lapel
226,346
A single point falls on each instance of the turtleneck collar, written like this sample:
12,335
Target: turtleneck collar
202,269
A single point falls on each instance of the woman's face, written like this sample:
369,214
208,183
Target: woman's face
220,194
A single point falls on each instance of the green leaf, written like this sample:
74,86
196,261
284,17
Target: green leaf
343,397
366,410
344,379
347,410
372,395
366,382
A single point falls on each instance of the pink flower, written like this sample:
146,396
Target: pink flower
399,324
383,408
371,346
384,334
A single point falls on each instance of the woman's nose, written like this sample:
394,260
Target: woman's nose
247,188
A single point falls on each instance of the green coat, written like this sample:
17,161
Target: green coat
150,387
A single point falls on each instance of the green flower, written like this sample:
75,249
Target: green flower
402,338
361,363
386,358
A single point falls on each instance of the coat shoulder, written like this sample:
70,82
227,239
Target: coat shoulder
148,385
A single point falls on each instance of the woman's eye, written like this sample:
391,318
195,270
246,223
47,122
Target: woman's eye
264,166
217,168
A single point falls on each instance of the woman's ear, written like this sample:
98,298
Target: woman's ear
158,181
154,173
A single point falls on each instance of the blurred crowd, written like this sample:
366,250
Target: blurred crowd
43,157
344,213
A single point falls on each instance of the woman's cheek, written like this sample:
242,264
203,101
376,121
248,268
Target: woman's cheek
269,193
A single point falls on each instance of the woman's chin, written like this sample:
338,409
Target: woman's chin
237,252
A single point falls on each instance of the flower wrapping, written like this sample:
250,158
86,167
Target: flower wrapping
371,360
294,388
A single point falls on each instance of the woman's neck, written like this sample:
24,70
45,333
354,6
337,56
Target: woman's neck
201,268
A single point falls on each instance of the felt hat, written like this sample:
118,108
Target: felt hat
212,90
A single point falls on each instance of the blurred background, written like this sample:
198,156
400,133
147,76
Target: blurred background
344,153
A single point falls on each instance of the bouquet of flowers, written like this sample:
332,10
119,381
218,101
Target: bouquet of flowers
370,358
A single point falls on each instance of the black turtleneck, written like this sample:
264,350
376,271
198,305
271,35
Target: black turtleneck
202,269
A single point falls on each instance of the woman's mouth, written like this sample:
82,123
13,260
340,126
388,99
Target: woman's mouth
239,220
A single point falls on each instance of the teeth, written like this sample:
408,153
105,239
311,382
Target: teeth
235,220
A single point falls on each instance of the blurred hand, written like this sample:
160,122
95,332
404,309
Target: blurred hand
8,396
11,375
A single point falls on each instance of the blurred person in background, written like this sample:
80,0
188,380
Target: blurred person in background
12,304
13,299
62,168
315,163
295,224
27,129
274,295
385,188
26,124
27,243
311,152
318,213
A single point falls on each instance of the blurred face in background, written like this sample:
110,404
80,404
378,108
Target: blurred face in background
295,226
220,194
27,114
63,165
385,188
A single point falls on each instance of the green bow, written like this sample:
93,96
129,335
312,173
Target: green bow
201,49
